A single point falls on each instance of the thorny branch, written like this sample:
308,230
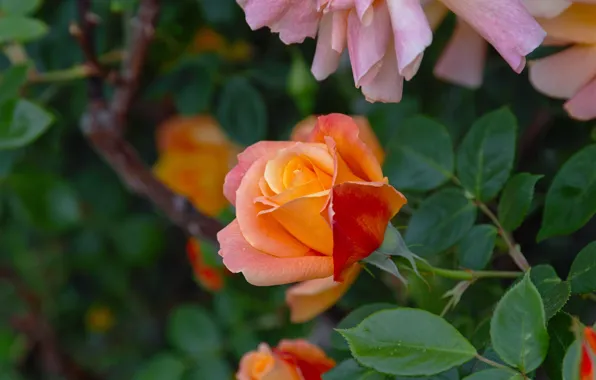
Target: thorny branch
105,121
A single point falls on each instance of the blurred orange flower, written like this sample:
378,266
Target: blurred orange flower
207,40
588,355
209,276
290,360
99,319
194,157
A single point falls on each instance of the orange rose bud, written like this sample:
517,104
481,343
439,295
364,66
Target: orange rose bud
590,337
586,364
306,210
290,360
212,278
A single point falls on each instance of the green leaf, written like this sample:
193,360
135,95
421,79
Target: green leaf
518,329
419,155
408,342
194,97
384,263
582,274
12,81
495,374
353,319
209,368
19,7
485,157
571,362
218,11
242,112
516,200
160,367
191,330
44,200
571,198
302,86
440,222
21,122
138,239
21,29
561,337
350,369
553,291
452,374
475,249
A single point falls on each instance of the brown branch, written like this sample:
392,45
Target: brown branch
104,125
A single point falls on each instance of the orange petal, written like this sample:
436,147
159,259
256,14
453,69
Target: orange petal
360,212
210,277
262,269
582,106
312,361
265,365
311,298
590,336
245,161
586,365
263,232
345,132
577,24
187,134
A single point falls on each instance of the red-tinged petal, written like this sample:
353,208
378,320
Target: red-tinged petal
345,132
586,365
582,106
590,336
262,269
360,212
312,361
311,298
245,161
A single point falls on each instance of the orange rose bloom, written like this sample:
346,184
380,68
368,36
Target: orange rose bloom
194,157
307,210
587,356
209,276
290,360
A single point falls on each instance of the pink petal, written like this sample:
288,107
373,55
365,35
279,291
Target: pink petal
299,21
365,11
583,105
505,24
261,13
261,269
245,160
326,58
387,85
462,61
367,45
546,8
563,74
411,34
435,13
335,5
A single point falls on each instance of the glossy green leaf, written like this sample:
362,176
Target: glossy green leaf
452,374
476,248
209,368
571,198
350,369
553,291
419,155
353,319
19,7
561,337
518,328
192,330
408,342
440,222
485,156
21,29
495,374
12,80
160,367
571,362
21,122
242,111
582,274
516,200
384,263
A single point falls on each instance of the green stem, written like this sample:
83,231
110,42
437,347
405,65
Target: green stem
466,275
76,72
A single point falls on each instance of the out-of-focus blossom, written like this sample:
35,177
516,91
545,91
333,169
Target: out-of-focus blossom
290,360
207,40
386,39
307,210
99,318
208,275
194,157
588,355
571,73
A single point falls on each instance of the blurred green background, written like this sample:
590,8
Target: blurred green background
95,282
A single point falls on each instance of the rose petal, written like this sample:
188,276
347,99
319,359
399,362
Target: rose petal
345,133
590,336
261,13
386,85
506,24
300,21
365,10
583,105
245,160
311,298
265,365
548,8
261,269
312,361
326,58
188,134
411,34
462,61
563,74
435,13
360,213
576,24
586,366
